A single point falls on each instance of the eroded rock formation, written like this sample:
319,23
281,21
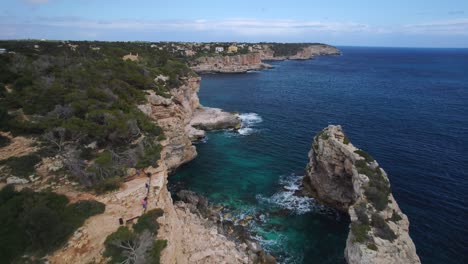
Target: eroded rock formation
348,179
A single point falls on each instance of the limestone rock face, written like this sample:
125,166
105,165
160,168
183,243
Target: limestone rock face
214,119
349,179
173,116
229,64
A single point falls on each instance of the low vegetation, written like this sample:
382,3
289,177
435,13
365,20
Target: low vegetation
378,189
382,229
365,155
360,232
136,245
22,166
395,217
36,223
82,103
288,49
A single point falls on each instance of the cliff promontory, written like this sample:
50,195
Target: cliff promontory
229,63
350,180
295,51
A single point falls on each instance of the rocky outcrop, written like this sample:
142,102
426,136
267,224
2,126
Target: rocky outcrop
305,53
348,179
229,64
214,119
175,114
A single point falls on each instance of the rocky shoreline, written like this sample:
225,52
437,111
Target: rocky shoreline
350,180
190,220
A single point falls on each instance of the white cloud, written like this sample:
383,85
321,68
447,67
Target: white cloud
444,27
36,2
243,26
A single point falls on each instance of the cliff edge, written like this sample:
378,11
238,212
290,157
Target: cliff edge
350,180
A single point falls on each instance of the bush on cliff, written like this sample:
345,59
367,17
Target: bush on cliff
378,189
137,245
360,232
383,230
365,155
38,222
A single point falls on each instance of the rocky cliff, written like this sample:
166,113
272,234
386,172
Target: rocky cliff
229,64
304,53
181,117
348,179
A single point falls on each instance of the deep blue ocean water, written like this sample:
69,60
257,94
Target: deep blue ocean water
406,107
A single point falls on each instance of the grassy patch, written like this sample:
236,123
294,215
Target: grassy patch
37,223
365,155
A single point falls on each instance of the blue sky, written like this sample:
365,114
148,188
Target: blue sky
408,23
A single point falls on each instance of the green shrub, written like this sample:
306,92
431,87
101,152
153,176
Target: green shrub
346,140
378,198
361,213
365,155
372,246
122,236
382,229
22,166
360,232
107,185
155,253
147,221
150,156
36,223
378,189
395,217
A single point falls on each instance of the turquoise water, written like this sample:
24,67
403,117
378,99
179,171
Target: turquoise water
407,107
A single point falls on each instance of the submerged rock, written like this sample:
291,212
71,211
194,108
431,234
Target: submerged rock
350,180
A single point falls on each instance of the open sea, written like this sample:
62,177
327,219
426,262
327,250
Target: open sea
407,107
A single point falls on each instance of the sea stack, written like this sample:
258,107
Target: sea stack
344,177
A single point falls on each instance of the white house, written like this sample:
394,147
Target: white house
219,49
2,51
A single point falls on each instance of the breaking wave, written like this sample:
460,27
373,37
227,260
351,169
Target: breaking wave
287,198
248,122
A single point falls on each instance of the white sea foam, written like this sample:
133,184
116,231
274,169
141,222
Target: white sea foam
248,122
249,119
287,199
